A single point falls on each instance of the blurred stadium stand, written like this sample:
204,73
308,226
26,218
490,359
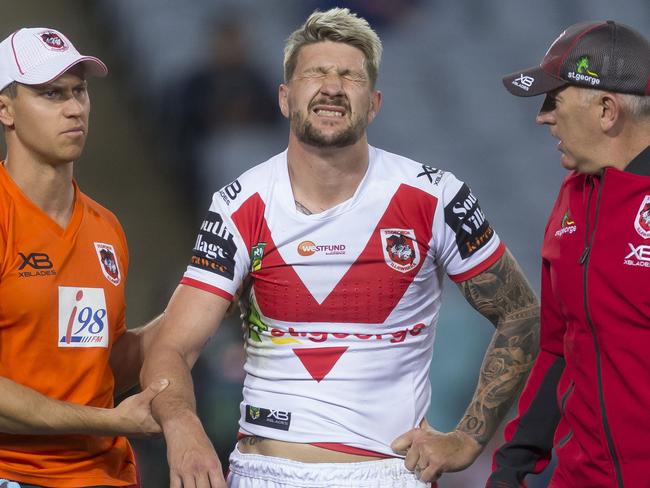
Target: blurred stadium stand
444,105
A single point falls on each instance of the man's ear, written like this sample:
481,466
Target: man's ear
375,105
283,100
610,111
6,111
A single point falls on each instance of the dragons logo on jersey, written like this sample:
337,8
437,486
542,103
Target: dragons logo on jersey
400,248
465,217
108,262
642,220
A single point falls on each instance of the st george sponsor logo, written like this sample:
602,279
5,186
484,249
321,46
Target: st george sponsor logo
83,319
319,336
257,329
582,72
465,217
567,226
35,264
214,249
267,417
638,256
309,248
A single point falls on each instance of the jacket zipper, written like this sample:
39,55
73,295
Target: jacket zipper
563,401
584,261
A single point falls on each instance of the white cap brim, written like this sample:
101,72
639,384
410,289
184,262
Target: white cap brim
52,70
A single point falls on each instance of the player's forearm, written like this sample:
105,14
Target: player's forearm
128,353
177,402
506,366
503,295
26,411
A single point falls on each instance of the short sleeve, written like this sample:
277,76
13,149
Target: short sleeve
220,259
465,242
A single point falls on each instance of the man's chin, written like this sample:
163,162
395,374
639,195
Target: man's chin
568,163
324,141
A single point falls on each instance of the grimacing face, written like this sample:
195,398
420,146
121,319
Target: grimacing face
50,121
329,101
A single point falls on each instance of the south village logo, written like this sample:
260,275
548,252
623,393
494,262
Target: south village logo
583,73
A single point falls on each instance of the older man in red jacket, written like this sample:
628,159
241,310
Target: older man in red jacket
588,396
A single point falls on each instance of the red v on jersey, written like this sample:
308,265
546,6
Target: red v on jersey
368,291
319,361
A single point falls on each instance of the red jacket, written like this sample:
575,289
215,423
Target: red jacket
588,396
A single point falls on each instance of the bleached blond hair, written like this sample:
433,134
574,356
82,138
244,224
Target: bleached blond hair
336,25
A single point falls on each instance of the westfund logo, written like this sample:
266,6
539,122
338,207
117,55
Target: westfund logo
215,248
468,222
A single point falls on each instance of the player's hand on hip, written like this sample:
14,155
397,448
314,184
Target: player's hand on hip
193,462
133,415
430,453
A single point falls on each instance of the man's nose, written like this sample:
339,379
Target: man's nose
73,107
332,85
546,111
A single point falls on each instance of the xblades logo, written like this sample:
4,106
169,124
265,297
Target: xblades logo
429,172
268,417
638,256
524,82
38,261
230,192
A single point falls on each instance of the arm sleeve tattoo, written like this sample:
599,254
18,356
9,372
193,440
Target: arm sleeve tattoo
503,296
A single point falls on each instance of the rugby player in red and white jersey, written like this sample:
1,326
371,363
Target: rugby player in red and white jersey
346,247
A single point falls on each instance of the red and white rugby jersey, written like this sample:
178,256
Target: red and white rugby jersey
344,303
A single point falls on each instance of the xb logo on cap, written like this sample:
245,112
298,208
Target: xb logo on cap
524,82
53,41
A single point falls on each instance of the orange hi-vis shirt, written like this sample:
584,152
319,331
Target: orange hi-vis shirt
61,309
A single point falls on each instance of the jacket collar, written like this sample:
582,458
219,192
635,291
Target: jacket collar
641,164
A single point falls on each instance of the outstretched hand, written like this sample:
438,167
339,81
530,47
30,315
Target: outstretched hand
133,416
430,453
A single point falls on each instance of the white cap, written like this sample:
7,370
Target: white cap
38,55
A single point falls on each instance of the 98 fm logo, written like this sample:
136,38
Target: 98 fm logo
83,320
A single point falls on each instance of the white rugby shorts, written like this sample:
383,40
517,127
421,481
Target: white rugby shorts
256,471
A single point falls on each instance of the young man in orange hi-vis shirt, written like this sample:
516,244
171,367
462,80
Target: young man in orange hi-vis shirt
64,347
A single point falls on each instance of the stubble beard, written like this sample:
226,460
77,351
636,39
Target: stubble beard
308,134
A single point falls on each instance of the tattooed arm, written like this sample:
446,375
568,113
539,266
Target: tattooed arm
503,296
